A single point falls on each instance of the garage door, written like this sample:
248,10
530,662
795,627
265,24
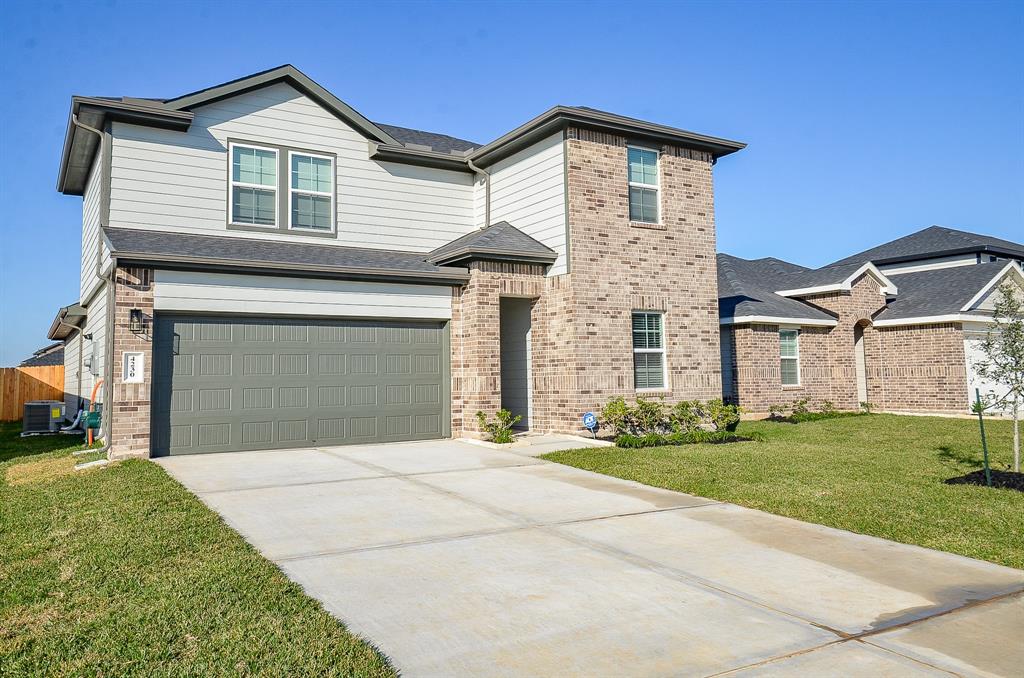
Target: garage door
241,383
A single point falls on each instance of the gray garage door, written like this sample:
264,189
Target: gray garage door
243,383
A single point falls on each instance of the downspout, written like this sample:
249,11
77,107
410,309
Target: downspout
108,361
487,191
99,234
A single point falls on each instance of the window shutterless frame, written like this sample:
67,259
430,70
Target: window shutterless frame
294,192
648,334
644,179
789,353
235,219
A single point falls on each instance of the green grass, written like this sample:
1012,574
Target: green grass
120,571
880,475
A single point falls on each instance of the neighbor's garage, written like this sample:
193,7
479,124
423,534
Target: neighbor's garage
229,383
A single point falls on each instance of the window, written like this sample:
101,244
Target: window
643,185
253,186
648,351
789,354
311,192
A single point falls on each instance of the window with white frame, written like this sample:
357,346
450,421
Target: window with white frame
643,184
253,185
648,350
789,356
311,192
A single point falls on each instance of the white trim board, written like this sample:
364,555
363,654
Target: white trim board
933,320
888,287
230,293
776,320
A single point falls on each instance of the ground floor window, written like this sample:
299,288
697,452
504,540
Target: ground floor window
648,350
789,354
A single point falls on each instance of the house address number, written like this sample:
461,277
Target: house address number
134,367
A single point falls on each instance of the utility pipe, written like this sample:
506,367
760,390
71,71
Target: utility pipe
487,191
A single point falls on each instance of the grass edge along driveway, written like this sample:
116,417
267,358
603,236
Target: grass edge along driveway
121,571
880,475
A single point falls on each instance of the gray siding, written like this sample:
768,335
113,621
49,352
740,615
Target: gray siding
175,181
91,206
528,191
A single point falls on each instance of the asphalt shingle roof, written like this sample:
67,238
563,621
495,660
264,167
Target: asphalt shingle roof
499,239
46,357
164,246
746,287
827,275
441,143
933,241
939,291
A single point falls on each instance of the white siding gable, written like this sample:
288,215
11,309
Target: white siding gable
528,191
174,181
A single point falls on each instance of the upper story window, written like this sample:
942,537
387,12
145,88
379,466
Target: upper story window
253,185
789,356
643,184
311,192
648,350
277,187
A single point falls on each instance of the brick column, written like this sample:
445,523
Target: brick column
130,409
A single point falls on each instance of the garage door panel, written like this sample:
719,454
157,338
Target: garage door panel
226,384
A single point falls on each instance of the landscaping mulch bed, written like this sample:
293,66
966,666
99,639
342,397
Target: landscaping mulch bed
1007,480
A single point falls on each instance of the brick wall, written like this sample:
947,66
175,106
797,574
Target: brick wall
921,368
130,411
582,354
914,369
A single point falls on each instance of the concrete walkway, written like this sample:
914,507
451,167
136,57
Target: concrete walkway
460,560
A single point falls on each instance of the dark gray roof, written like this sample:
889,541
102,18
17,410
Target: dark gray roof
501,241
282,257
827,275
45,357
441,143
934,241
939,291
746,288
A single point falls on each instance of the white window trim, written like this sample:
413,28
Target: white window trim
329,194
662,351
242,184
636,184
796,357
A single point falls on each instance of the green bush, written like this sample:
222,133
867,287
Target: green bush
653,417
500,429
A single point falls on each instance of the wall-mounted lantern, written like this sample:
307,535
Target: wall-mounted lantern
135,321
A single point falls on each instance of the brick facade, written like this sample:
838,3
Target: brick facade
908,369
581,331
130,413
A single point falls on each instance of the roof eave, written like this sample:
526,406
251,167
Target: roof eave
776,320
61,327
488,254
443,276
561,117
80,143
413,156
987,249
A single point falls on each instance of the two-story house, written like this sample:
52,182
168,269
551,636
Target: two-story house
263,267
898,326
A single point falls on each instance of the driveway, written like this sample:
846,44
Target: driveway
455,559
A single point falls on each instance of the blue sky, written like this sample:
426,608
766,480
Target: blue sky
864,121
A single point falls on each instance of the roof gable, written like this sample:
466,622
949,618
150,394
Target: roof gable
500,241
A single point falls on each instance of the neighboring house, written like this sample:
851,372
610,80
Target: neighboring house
897,326
264,267
46,356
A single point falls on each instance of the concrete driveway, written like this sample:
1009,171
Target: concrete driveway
456,559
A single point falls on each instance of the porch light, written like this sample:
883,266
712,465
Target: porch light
135,321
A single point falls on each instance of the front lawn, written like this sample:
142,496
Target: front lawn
880,475
120,571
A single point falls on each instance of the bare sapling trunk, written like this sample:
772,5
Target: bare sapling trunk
1016,435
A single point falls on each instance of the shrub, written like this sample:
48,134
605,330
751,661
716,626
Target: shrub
800,406
775,411
866,407
631,441
827,407
653,417
500,429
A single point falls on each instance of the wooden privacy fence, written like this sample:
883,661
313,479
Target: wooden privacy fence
18,385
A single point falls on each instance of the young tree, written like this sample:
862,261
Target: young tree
1003,351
